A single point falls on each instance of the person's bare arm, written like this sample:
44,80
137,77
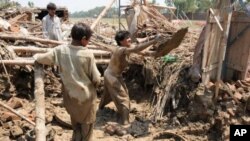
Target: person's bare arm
148,53
140,47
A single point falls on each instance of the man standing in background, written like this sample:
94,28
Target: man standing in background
51,24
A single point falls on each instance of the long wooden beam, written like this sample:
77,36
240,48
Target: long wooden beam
30,38
34,49
30,61
102,14
40,103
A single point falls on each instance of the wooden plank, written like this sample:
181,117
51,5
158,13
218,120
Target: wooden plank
205,52
227,23
30,38
34,49
216,19
39,93
245,54
210,68
213,51
216,38
237,67
238,52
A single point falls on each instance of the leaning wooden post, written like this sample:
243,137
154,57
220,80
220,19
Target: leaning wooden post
223,44
40,105
104,11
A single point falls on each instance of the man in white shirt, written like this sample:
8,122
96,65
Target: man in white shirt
51,24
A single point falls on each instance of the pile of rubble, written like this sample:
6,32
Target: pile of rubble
180,108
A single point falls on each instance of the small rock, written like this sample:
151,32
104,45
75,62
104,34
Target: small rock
234,121
231,111
241,90
8,116
110,129
238,96
231,87
225,134
7,125
22,138
27,126
120,131
245,98
210,85
4,132
15,103
225,115
246,120
248,104
5,138
48,116
16,131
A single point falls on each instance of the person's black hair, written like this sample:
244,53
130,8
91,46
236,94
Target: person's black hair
51,6
80,31
121,35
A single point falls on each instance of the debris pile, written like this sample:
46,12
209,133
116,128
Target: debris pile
181,108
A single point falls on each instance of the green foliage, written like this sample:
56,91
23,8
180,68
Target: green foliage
112,12
191,5
31,4
7,3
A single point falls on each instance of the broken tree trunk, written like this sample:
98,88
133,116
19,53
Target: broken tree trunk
102,14
16,113
32,39
40,105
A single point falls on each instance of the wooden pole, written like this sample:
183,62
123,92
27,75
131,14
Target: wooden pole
216,19
223,45
34,49
30,61
119,14
33,39
40,104
16,113
102,14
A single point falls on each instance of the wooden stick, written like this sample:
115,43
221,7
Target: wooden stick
30,61
19,62
6,72
33,39
18,17
40,104
216,19
16,113
34,49
104,11
163,7
223,46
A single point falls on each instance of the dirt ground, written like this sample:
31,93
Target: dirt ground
57,120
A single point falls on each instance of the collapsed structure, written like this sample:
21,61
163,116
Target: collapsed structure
178,98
